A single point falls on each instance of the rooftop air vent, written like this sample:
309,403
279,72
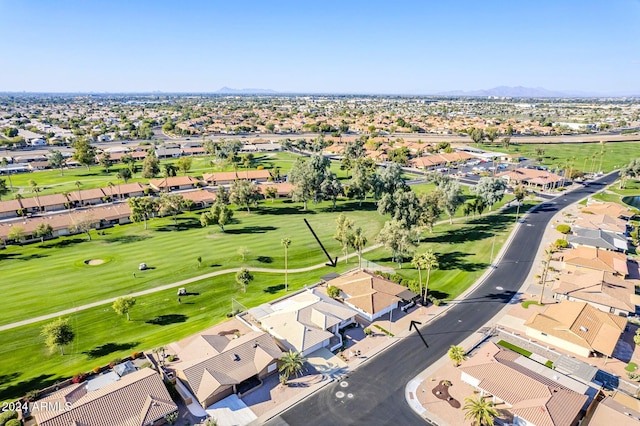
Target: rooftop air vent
583,328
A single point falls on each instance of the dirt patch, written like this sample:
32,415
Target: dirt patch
94,262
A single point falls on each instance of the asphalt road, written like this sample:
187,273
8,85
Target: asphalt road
377,387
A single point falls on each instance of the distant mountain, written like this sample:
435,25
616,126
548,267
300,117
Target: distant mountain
231,91
519,92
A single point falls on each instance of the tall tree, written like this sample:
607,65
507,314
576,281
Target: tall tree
398,239
172,204
42,231
425,261
430,209
184,164
519,192
36,191
84,224
245,193
243,278
84,153
479,411
389,180
358,240
490,189
150,165
331,189
56,161
4,190
402,205
220,215
307,176
142,208
291,364
4,163
105,161
548,256
124,174
343,234
477,135
491,134
452,197
58,334
78,185
286,242
362,179
123,305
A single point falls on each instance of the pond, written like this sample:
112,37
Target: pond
633,201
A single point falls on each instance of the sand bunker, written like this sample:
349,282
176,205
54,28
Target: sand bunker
94,262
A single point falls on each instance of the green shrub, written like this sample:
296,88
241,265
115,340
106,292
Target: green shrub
560,243
367,331
527,303
13,422
563,228
633,376
7,416
333,291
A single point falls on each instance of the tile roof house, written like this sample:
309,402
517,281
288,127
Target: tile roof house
371,295
603,290
601,221
305,322
9,208
576,327
86,197
201,197
618,409
598,238
608,208
44,203
174,183
227,178
214,367
136,399
535,177
593,258
534,394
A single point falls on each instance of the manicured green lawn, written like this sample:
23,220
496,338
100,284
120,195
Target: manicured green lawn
514,348
528,303
156,319
616,154
615,194
43,278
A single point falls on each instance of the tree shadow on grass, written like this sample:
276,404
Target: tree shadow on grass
126,239
273,289
167,319
461,235
454,260
440,295
183,224
265,210
16,390
251,230
264,259
63,243
350,206
109,348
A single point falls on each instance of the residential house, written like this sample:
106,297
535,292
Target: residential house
602,221
9,209
139,398
531,177
283,189
168,152
305,322
125,190
227,178
533,393
44,203
593,258
608,208
576,327
213,367
174,183
201,198
88,197
371,295
617,409
597,238
603,290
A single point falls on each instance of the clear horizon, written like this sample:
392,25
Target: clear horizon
333,48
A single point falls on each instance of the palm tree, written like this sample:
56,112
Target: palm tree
35,189
519,192
480,411
358,240
548,254
291,363
111,185
79,184
457,354
428,261
286,242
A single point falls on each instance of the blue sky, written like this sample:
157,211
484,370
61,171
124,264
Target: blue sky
323,46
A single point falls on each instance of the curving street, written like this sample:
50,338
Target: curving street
377,387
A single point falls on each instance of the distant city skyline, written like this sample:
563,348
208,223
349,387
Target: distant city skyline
373,47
